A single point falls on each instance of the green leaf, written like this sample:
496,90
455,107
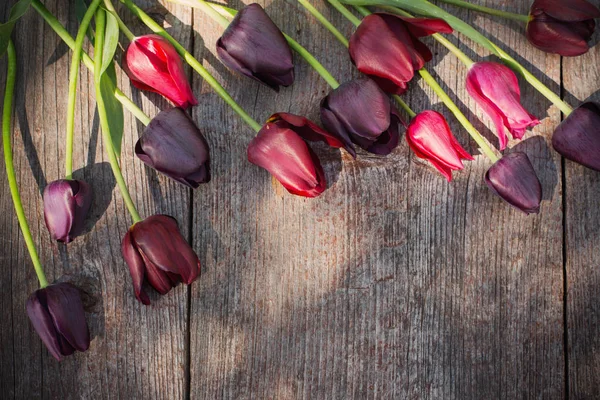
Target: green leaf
114,109
6,28
111,40
423,7
80,9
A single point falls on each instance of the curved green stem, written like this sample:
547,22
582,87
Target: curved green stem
483,145
110,8
488,10
88,62
324,21
114,163
210,10
194,63
73,76
10,170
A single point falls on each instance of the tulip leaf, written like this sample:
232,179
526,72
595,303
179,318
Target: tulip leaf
114,109
111,40
6,28
80,9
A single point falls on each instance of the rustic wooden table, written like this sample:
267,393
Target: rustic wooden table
393,284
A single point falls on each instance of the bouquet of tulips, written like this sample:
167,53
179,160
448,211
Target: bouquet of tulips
366,114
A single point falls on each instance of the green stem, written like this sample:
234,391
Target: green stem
210,10
89,63
73,76
109,6
194,63
114,163
10,171
483,145
345,12
488,10
324,21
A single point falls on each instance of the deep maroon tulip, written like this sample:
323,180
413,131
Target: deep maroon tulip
360,111
387,49
173,144
253,46
66,205
513,178
578,136
153,64
430,137
495,88
280,147
157,253
562,26
57,315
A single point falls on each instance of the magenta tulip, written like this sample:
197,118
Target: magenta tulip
429,136
578,136
66,205
495,88
153,64
386,48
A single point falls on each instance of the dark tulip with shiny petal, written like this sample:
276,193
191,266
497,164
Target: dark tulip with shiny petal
514,179
253,46
387,48
360,111
578,136
66,205
157,253
562,26
173,145
57,315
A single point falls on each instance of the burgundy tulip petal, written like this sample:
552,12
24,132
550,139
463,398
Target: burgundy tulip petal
420,27
515,181
253,46
65,307
43,324
137,269
282,152
578,136
567,39
173,145
66,205
567,10
157,278
388,140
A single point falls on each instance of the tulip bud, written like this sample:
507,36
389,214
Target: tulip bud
253,46
495,88
57,315
156,252
386,48
513,178
578,136
429,136
153,64
173,145
66,205
361,111
562,26
280,148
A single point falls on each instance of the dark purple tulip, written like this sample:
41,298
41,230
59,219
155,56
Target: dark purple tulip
360,111
513,178
173,144
578,136
57,315
66,205
157,253
253,46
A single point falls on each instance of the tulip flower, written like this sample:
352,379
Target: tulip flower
57,315
280,147
153,64
361,111
495,88
562,26
173,145
513,179
578,136
66,205
253,46
157,253
386,48
429,136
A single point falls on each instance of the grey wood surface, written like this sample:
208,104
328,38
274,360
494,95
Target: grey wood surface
393,284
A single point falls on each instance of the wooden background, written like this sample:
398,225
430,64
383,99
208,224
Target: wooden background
393,284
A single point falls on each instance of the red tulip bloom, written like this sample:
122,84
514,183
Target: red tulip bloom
153,64
387,49
495,88
562,26
429,136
